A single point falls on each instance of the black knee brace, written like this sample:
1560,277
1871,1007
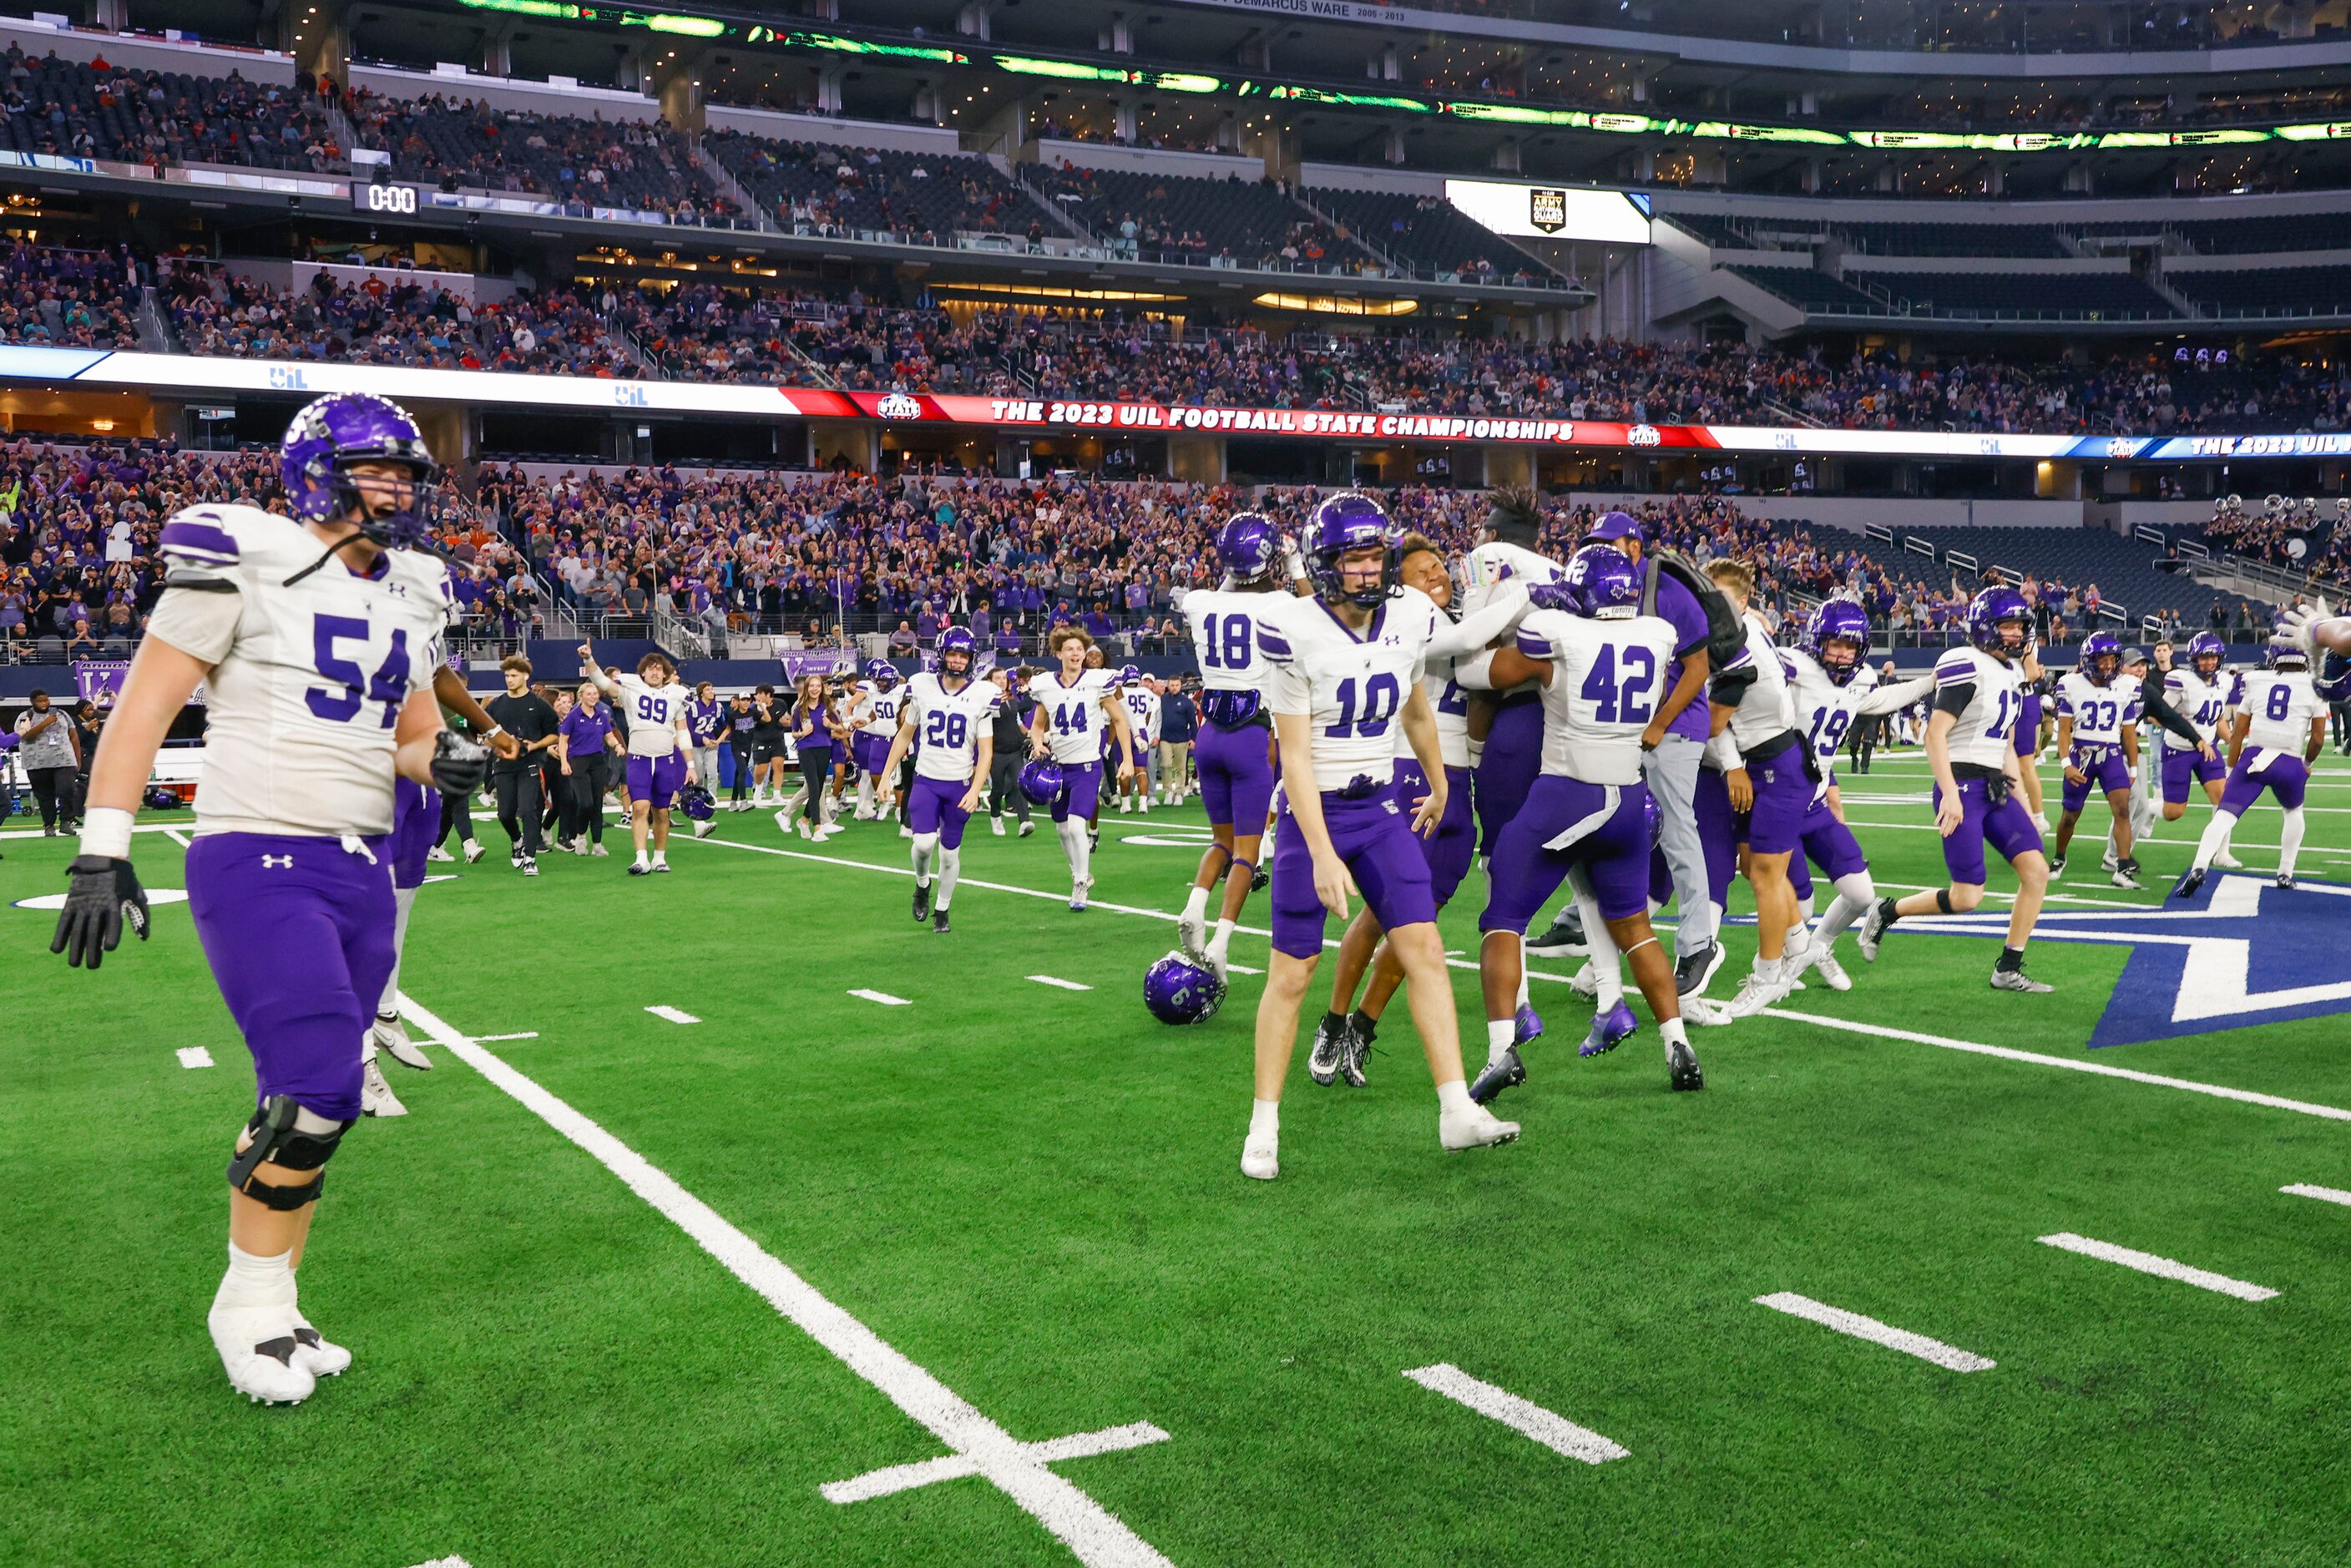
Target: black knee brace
1943,901
276,1141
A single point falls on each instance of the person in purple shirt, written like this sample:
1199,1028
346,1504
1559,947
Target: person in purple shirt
1693,803
586,750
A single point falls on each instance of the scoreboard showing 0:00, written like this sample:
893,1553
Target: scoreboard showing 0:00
396,199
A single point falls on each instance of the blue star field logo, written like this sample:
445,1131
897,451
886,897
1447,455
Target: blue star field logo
2242,953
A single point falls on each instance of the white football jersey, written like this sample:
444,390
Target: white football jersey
1984,732
1074,719
1223,622
307,680
950,725
1766,709
2278,705
2198,702
877,711
1351,685
1142,713
1462,642
1484,571
1607,678
2099,713
653,713
1825,711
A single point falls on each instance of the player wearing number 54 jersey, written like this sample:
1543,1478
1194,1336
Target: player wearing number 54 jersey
954,718
1971,746
317,636
1345,666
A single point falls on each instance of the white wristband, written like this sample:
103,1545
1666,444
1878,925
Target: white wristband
495,731
106,830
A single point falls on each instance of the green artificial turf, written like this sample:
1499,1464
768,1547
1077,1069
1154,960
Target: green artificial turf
1034,1193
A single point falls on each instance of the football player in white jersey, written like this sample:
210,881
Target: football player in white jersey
2278,732
1345,666
1142,702
1342,1041
2195,691
659,741
2097,734
1074,704
874,726
1235,751
1601,665
1971,746
1834,689
316,636
953,715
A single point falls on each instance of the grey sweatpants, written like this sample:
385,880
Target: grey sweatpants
1671,773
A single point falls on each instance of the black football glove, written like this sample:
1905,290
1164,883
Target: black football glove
104,893
458,764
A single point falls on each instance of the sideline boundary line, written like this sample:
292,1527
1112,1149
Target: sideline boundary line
1094,1534
2037,1059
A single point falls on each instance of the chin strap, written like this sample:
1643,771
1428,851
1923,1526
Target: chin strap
331,552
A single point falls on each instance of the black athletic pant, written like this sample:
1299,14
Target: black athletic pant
52,787
1871,729
816,772
741,789
519,805
590,776
1004,783
456,811
554,790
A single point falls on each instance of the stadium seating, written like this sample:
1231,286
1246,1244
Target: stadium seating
1185,218
2269,291
821,187
1813,290
1951,239
2284,230
68,299
2108,295
68,108
1428,234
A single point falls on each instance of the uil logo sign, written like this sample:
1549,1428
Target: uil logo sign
899,405
1547,208
2197,970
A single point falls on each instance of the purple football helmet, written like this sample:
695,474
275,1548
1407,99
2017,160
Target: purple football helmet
1603,582
2207,646
881,673
1179,991
958,640
2285,652
159,797
1836,620
1248,546
333,431
1346,522
1128,675
1041,780
696,803
1990,611
2097,649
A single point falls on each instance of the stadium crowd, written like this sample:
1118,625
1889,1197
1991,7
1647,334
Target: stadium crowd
53,299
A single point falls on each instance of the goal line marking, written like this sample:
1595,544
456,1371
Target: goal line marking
1096,1536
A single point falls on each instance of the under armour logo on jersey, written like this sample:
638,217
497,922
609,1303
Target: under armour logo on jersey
278,860
2253,954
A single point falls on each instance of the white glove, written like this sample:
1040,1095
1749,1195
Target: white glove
2299,621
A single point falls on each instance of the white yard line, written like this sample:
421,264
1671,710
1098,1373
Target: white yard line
1949,1358
955,1466
194,1056
2162,1268
137,828
531,1034
178,838
450,1562
673,1014
1556,1432
885,997
1051,980
1094,1534
2322,1193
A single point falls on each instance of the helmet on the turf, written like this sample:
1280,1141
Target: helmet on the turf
881,673
1041,780
2207,646
957,640
333,432
1989,615
1179,991
1604,583
1248,546
2102,656
162,798
1836,620
1345,523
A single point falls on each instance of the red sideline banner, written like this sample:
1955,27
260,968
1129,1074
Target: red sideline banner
1174,419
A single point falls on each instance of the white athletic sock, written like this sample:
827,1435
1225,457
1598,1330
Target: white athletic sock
255,1282
2290,841
1195,906
660,857
640,858
1081,853
865,794
1607,963
2215,839
950,865
926,845
1522,970
1453,1099
1265,1116
1854,893
404,899
1671,1031
1499,1032
1221,941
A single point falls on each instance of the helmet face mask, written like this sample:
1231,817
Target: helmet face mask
955,643
1345,530
1178,992
2206,646
1990,617
2101,657
1837,624
356,458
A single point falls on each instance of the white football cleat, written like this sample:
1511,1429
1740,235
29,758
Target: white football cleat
996,826
1757,992
1078,894
474,851
1261,1156
1476,1128
1585,981
376,1098
1825,961
2228,862
390,1037
599,851
257,1347
703,829
315,1354
1192,936
1705,1012
437,854
2110,859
